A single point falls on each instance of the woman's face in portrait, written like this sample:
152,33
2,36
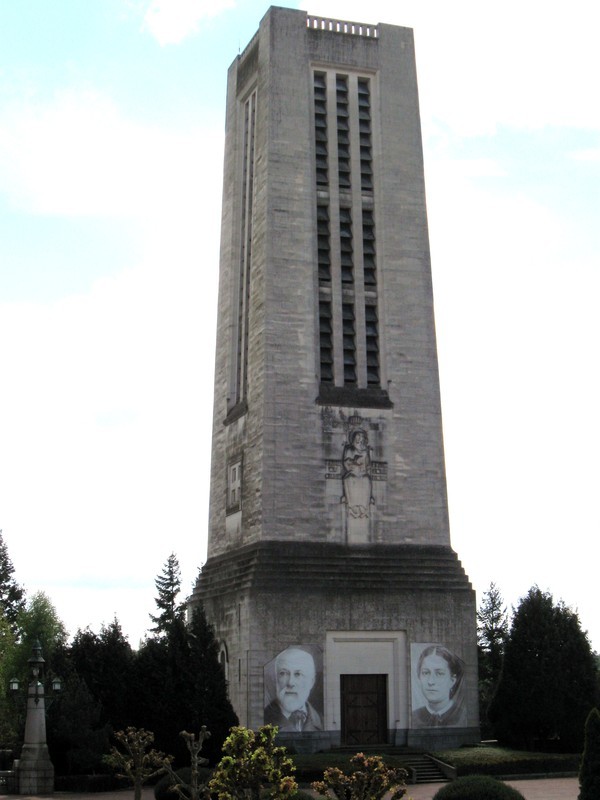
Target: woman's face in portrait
436,680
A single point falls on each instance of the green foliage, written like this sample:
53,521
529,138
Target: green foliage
369,779
492,629
589,774
133,760
180,683
8,722
492,633
311,766
39,620
105,662
77,738
168,586
253,767
548,680
477,787
12,596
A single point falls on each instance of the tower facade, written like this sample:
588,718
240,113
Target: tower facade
343,613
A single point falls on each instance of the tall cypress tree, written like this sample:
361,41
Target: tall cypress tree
548,680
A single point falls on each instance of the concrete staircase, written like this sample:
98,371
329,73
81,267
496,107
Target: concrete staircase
424,769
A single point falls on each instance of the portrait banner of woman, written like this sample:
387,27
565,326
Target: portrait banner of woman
293,683
437,677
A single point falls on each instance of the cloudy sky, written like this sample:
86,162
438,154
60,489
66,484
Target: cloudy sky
111,140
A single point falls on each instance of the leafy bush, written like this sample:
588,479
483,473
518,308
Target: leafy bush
368,779
253,767
311,766
134,761
477,787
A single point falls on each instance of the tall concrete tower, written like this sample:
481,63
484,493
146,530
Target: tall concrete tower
343,614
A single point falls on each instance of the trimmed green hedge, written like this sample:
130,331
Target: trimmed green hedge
488,760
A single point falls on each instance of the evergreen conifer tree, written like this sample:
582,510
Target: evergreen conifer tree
492,633
168,586
179,680
548,681
12,596
210,702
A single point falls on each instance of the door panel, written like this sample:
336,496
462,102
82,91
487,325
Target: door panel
364,709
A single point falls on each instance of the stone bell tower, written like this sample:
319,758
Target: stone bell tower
344,615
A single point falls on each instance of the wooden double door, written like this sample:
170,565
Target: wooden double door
364,709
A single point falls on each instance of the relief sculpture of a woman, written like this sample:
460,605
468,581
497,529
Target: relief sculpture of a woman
357,482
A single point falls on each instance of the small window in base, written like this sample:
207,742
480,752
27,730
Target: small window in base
234,487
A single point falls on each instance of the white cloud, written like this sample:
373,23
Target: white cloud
517,332
105,412
482,65
171,21
591,155
77,155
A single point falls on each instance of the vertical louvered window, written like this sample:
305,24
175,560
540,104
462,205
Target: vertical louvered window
346,247
369,270
324,244
320,94
372,341
343,130
349,332
364,127
326,341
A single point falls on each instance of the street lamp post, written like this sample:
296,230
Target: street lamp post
35,772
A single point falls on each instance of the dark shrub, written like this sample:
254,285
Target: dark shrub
589,774
477,787
89,783
162,789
